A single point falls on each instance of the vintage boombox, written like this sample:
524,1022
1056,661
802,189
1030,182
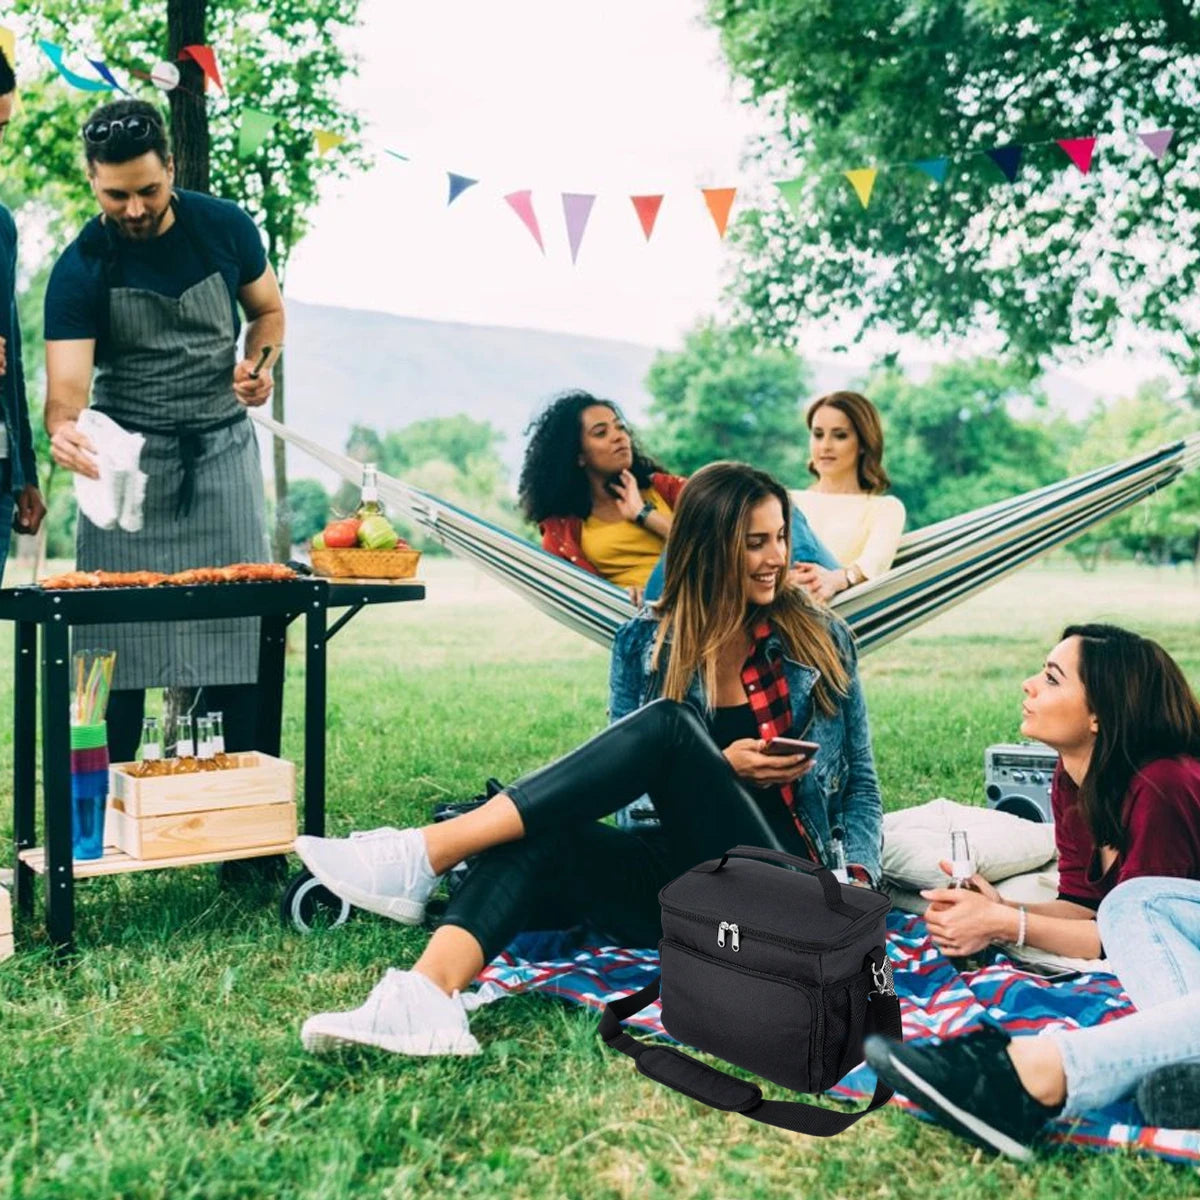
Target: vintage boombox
1017,777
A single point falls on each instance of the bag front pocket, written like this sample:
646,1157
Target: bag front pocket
765,1024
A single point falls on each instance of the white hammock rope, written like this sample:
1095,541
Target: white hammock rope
936,567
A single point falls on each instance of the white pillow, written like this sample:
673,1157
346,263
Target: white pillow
916,839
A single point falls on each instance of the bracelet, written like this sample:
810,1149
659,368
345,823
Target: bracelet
1022,925
642,517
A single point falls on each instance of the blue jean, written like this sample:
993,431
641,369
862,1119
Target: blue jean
806,547
1150,928
6,516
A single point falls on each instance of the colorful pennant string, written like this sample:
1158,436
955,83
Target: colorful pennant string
863,182
1079,151
458,185
55,55
105,74
1008,159
254,129
577,208
719,201
1157,140
522,204
792,191
8,43
327,140
647,208
935,168
207,61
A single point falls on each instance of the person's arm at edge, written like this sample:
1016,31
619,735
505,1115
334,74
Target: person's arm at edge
262,302
69,366
883,539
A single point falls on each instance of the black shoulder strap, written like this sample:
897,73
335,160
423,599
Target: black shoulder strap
721,1091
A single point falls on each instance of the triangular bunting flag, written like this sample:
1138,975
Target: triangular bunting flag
104,73
719,201
647,210
327,140
522,204
55,55
790,190
458,185
8,43
577,207
207,60
253,130
935,168
1157,140
1079,151
396,154
1008,159
863,182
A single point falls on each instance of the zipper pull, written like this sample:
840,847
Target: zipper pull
736,934
721,933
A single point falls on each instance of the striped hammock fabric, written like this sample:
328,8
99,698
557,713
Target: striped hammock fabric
936,567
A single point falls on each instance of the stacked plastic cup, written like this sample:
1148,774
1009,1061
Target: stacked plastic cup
89,789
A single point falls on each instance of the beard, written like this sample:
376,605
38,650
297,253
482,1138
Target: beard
144,227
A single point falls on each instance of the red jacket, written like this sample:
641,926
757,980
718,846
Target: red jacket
564,535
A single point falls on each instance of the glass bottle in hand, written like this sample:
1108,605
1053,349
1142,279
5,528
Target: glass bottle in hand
962,864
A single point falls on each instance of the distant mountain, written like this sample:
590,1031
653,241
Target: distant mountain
349,366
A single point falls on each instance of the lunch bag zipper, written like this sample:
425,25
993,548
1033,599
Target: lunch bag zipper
735,935
762,934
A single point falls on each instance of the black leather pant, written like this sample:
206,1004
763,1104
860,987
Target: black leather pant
570,868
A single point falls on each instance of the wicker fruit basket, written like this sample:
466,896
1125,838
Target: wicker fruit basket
356,563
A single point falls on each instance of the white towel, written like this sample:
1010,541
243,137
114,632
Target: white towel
116,497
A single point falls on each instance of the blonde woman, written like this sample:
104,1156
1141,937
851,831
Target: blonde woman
846,507
731,657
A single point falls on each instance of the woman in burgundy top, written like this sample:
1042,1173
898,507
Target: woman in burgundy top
1126,792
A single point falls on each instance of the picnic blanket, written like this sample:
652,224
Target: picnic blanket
936,1000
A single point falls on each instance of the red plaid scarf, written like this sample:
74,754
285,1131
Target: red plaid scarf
767,690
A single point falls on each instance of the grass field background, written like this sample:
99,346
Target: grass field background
165,1062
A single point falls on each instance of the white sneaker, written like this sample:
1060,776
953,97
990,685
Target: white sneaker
385,871
406,1013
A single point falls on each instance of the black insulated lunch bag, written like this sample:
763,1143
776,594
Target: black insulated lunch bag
782,972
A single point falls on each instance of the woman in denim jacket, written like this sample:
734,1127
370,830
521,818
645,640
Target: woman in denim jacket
732,657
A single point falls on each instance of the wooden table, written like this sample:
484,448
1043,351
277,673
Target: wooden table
55,612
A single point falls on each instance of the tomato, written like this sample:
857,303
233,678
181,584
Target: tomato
340,535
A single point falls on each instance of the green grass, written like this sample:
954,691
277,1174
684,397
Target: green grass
165,1061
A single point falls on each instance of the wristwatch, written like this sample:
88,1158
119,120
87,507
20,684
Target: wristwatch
640,519
854,575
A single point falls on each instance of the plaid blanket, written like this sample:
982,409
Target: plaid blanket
937,1001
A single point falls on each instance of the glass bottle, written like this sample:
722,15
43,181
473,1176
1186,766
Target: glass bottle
223,760
185,747
204,754
369,504
150,754
837,849
962,864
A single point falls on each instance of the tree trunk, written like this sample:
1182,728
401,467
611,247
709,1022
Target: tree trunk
189,111
282,538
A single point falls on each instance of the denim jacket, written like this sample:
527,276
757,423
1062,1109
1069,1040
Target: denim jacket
841,789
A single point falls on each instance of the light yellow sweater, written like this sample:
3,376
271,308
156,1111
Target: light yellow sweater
863,529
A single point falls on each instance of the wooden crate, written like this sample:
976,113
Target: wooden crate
205,812
6,930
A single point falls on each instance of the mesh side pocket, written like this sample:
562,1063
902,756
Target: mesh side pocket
845,1023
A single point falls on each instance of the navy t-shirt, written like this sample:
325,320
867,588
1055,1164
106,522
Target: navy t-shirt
168,265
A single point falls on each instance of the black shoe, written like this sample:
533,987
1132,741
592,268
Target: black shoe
969,1083
1170,1096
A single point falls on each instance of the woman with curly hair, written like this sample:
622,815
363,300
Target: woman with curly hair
601,503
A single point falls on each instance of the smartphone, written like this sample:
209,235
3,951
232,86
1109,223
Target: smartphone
785,745
263,355
612,486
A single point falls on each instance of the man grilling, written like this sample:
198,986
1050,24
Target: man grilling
142,315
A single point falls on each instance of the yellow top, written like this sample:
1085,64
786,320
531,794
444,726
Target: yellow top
623,551
863,528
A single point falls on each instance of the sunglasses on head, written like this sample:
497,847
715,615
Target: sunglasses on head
137,128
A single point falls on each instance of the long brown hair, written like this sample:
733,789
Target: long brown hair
864,416
1144,710
704,601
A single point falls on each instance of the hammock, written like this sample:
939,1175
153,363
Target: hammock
935,568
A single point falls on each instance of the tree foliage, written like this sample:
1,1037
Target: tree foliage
722,396
1056,260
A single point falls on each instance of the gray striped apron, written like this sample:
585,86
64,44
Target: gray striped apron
168,373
